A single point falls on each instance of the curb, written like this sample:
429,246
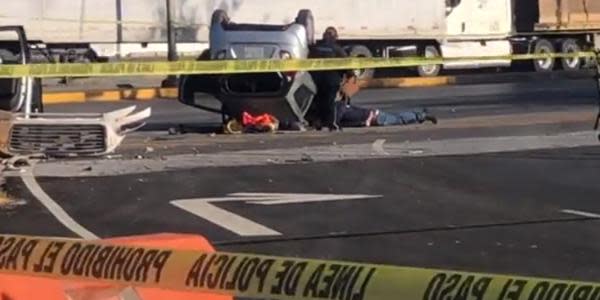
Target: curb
140,94
152,93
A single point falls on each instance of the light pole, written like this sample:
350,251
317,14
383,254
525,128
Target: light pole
171,80
119,7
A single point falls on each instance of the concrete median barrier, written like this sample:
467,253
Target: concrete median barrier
152,93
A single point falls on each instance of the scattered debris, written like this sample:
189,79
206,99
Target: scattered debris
176,130
7,205
307,158
377,147
416,152
57,130
17,163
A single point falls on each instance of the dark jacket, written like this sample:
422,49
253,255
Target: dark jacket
328,49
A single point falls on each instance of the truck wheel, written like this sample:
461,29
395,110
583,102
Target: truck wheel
362,51
429,70
305,18
570,46
544,46
219,17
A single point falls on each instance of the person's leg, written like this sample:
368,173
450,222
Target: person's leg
354,116
404,118
341,110
329,106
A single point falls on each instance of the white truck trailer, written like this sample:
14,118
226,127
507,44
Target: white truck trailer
382,28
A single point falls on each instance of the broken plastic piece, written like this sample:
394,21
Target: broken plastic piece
57,134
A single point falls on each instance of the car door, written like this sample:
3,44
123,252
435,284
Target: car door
16,92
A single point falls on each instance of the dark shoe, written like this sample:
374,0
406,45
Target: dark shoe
431,119
317,125
334,128
297,126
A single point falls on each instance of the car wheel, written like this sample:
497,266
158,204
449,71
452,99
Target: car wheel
305,18
204,56
544,46
570,46
362,51
219,17
429,51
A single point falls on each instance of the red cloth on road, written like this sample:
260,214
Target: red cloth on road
262,120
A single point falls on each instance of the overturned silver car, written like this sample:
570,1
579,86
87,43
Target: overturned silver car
287,96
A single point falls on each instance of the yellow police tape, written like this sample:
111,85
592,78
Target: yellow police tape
267,277
244,66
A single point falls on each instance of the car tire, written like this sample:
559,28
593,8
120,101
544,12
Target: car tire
305,18
570,46
544,46
219,17
362,51
429,70
204,56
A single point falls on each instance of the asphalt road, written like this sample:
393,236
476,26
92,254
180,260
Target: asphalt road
494,213
467,194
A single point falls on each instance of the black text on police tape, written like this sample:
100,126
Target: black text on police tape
106,262
15,253
457,286
247,274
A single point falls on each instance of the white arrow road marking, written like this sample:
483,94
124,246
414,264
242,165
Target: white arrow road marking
581,213
205,208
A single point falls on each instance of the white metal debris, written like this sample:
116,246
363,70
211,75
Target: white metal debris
59,134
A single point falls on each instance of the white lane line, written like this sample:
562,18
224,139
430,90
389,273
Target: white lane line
58,212
581,213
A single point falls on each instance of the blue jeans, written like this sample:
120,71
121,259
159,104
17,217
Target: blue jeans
400,118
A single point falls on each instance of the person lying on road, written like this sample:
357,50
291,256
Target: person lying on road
348,115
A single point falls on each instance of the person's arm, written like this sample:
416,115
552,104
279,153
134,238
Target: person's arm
339,51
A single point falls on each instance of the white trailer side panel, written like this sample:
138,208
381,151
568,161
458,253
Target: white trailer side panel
355,19
144,20
480,18
71,21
